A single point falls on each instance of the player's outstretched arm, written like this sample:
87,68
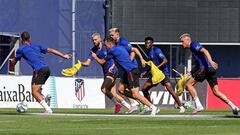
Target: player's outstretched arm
56,52
207,54
139,55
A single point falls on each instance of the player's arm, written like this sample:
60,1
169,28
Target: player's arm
86,63
129,47
164,62
56,52
132,55
147,69
13,61
139,55
92,56
161,56
100,61
207,54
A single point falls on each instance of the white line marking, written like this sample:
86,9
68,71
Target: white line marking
10,129
112,128
87,120
143,116
7,121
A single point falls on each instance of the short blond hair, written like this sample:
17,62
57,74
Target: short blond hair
115,30
185,35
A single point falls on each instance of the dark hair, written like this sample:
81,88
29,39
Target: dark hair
109,39
148,38
25,36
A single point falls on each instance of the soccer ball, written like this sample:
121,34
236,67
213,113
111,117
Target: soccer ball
21,107
187,104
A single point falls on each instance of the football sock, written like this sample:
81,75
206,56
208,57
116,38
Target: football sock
135,103
141,93
45,106
152,106
231,105
124,103
197,101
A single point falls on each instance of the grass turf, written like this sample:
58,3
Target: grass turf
12,123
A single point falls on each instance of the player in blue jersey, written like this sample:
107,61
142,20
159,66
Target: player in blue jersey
123,42
110,71
205,69
156,55
130,71
32,54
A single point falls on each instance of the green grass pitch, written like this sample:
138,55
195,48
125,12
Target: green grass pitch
12,123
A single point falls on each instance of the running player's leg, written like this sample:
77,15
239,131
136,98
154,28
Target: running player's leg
126,92
220,95
36,92
190,87
145,90
212,80
122,89
128,95
109,88
133,84
132,101
119,98
197,75
39,78
146,87
144,100
106,87
166,82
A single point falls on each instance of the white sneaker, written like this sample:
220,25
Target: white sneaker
182,109
197,109
235,111
155,110
145,110
48,112
135,103
48,99
131,110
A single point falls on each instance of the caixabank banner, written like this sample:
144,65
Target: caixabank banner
15,89
66,92
162,98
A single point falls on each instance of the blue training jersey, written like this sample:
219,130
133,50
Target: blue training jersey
32,53
199,57
109,65
124,43
156,55
121,57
